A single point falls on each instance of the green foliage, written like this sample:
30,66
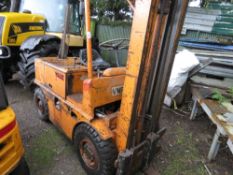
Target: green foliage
231,91
185,158
44,149
217,95
110,9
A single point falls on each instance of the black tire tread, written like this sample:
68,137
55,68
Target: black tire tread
27,59
22,168
39,93
106,149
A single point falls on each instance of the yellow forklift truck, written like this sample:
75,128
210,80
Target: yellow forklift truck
34,29
11,149
112,114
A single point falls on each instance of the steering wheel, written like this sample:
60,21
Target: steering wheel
115,45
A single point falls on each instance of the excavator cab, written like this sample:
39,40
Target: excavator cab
54,12
112,113
11,149
31,29
55,17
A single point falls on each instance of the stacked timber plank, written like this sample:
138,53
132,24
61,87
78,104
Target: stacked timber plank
222,62
208,32
207,25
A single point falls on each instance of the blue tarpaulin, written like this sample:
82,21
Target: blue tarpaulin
206,46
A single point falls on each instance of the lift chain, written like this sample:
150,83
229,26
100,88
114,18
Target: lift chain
164,7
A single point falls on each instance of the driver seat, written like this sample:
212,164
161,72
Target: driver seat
98,62
115,71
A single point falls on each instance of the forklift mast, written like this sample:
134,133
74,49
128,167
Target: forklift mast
155,33
156,28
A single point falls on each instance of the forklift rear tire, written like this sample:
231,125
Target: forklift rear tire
41,104
97,156
22,168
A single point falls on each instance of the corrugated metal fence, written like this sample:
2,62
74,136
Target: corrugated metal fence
107,32
207,25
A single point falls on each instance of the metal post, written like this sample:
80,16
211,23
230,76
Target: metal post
63,52
214,146
230,145
14,4
194,110
88,38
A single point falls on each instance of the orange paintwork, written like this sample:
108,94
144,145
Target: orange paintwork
79,96
80,91
147,37
139,35
114,72
88,38
59,72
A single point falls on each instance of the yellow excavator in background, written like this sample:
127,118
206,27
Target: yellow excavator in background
11,148
34,29
112,113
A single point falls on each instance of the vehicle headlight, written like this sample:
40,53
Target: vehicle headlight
1,51
5,52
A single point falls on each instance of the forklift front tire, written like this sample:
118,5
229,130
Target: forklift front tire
97,156
22,168
41,104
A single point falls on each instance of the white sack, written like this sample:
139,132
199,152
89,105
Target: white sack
195,3
184,62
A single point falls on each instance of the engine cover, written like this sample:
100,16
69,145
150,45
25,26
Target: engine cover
17,27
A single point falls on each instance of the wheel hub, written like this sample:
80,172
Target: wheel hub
89,154
39,104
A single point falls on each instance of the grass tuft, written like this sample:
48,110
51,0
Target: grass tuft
184,159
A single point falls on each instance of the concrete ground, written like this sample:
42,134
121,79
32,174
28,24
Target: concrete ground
184,146
48,151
